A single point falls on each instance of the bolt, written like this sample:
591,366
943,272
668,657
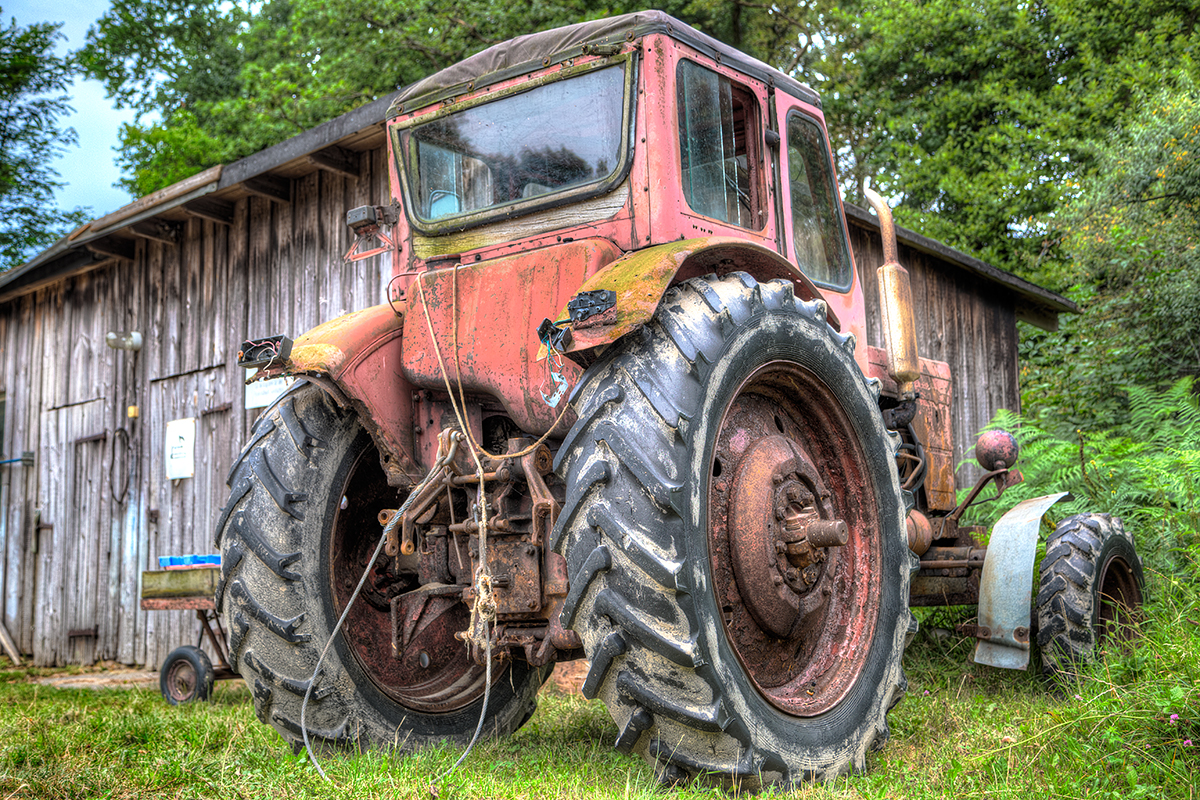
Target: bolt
792,574
530,550
348,583
777,580
777,479
532,605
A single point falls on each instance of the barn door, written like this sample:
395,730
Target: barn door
182,511
69,535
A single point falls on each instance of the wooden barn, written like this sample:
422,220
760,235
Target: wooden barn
255,248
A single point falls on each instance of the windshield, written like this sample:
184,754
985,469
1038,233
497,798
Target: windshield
549,139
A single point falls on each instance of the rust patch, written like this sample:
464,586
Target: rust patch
800,617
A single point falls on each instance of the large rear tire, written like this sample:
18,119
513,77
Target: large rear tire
735,417
300,524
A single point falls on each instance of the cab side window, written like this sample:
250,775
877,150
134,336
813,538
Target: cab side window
817,236
719,136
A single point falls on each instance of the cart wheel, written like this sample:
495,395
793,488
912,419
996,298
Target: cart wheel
186,675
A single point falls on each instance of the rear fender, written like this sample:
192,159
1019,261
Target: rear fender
641,278
356,359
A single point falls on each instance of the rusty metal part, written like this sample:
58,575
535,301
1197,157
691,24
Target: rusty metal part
799,632
359,353
421,507
773,501
396,619
1120,599
996,475
544,507
1005,589
940,558
431,666
932,425
895,302
516,571
818,532
944,590
920,532
996,449
640,278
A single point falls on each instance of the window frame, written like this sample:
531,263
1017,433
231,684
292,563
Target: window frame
754,141
836,211
405,157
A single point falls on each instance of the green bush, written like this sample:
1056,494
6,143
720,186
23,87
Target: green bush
1146,471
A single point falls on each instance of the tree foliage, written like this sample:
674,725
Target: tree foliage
1021,132
31,80
980,116
1132,234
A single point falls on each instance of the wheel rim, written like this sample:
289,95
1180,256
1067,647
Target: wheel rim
1119,597
788,479
182,681
434,672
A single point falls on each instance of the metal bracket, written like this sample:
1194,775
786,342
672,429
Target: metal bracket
1006,588
586,305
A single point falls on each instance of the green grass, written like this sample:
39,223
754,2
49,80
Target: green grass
962,731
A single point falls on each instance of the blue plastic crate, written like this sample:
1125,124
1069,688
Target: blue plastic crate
211,560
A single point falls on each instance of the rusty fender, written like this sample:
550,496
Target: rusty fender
356,358
639,280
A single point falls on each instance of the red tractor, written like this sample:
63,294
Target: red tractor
718,515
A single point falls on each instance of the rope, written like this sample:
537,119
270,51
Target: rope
387,530
483,610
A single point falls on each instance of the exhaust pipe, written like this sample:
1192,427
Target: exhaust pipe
895,300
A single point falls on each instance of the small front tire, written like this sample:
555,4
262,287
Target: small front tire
1089,589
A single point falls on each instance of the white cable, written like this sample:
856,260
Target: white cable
391,526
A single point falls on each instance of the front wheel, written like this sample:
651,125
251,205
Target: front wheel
295,538
734,530
1089,589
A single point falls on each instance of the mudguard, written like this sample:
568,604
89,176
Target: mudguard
639,280
1006,587
356,358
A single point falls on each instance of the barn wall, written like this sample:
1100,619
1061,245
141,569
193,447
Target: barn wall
77,529
961,319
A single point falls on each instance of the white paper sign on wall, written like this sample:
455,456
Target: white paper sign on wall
181,448
261,394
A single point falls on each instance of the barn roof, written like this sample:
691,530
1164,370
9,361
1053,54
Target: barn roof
334,146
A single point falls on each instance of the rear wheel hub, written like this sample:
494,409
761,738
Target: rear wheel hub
794,538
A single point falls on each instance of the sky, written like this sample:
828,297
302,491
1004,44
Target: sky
89,169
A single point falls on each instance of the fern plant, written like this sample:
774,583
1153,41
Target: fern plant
1147,471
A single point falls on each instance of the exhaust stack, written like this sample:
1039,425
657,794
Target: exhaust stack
895,300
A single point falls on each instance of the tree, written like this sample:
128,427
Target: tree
1133,237
219,81
981,116
30,78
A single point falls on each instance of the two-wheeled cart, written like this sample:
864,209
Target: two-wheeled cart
188,583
